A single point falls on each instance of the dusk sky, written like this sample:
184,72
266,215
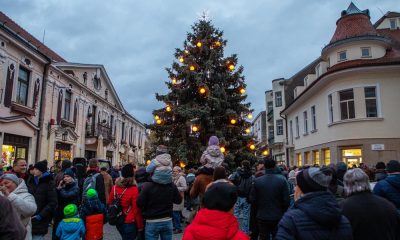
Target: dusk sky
135,40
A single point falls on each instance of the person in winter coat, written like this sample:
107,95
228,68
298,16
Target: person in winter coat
42,187
141,176
253,227
161,166
128,193
212,157
16,191
215,220
389,187
341,169
371,216
71,227
219,176
243,180
190,177
19,168
67,193
65,164
93,213
270,195
315,214
203,178
10,224
380,171
94,173
180,182
108,182
156,202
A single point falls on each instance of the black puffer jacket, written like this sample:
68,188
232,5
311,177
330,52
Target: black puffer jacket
46,200
315,216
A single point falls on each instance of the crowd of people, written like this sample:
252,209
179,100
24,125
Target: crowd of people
256,201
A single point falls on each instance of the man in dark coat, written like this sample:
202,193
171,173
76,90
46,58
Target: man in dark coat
42,187
389,187
94,171
19,168
371,216
270,195
315,215
10,224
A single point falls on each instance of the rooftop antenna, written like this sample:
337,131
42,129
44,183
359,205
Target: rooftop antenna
44,34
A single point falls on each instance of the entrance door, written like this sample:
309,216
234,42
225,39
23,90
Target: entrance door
90,154
352,156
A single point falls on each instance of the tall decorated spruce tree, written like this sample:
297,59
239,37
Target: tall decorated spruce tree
206,97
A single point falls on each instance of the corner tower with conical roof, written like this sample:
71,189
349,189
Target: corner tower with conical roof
355,38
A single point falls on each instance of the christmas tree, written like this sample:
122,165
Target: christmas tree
206,97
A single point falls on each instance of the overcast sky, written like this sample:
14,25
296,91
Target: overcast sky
135,40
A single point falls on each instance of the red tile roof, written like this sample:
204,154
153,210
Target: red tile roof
387,15
353,25
394,35
9,23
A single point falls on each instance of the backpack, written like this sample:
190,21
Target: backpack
90,182
116,215
244,186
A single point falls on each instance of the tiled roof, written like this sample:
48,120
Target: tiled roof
353,25
394,35
9,23
387,15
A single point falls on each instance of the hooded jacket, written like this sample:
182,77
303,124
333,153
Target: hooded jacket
10,225
214,225
212,157
389,188
25,206
71,229
315,216
162,162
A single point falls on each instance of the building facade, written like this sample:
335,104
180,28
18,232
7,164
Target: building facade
259,132
346,108
55,110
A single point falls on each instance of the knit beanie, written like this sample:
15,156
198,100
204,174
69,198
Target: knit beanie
220,196
213,141
11,177
127,171
65,164
393,166
41,166
161,149
313,180
69,172
91,193
141,175
70,210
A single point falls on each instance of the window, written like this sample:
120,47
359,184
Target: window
317,70
327,156
306,82
67,105
271,131
352,156
305,116
279,127
123,131
278,99
329,62
313,119
23,86
106,94
330,106
315,157
297,128
306,158
392,24
270,106
366,52
347,104
299,162
342,56
370,101
291,131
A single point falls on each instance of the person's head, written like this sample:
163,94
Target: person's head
213,141
141,175
176,170
117,167
93,163
260,166
39,168
220,196
69,175
393,167
380,165
65,164
245,164
269,163
10,181
103,169
30,169
128,171
356,180
161,149
70,210
58,163
19,165
219,173
312,180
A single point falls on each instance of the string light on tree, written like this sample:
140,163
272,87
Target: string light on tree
242,90
265,152
199,44
182,164
249,116
181,59
156,117
217,44
174,81
148,162
247,130
252,146
186,51
192,68
168,108
231,67
233,121
202,90
195,128
158,121
222,149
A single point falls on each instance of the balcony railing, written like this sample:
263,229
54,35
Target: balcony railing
270,115
97,130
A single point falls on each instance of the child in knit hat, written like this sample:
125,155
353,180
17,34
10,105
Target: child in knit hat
93,213
212,157
71,227
161,166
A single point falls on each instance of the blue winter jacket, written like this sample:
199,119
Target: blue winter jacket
71,229
389,188
315,216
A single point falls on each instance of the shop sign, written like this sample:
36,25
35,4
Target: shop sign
377,147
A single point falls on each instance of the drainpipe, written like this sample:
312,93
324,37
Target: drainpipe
286,139
42,110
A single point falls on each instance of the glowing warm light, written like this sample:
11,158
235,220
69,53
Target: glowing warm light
247,130
158,121
202,90
218,43
199,44
231,67
195,128
168,108
174,81
265,152
182,164
156,117
250,116
252,146
242,91
192,68
233,121
186,51
148,162
222,149
181,59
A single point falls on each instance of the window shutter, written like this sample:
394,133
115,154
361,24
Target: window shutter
59,106
9,85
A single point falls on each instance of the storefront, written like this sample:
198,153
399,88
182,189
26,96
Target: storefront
14,146
62,151
352,156
109,156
